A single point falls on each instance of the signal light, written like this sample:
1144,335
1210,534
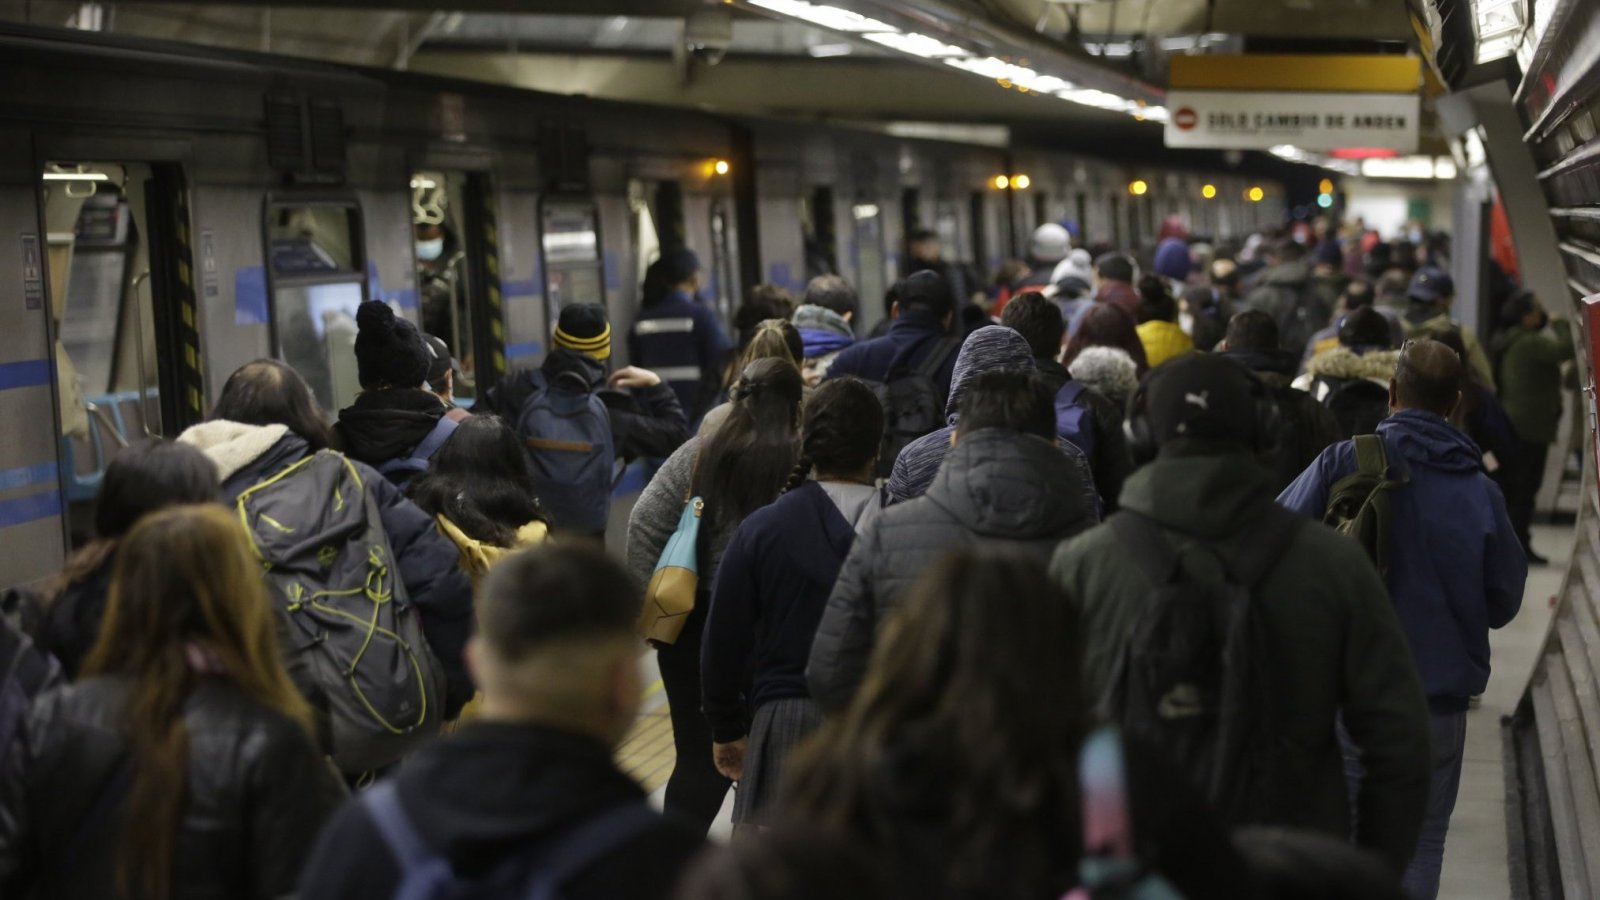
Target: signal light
1325,200
1021,182
1208,191
720,167
1138,187
1255,194
1325,186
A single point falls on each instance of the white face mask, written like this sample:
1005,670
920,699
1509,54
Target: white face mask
430,250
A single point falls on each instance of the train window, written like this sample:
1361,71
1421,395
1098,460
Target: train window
820,236
870,273
947,222
573,268
910,211
445,242
317,279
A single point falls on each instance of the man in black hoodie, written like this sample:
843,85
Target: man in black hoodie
395,423
527,794
1305,427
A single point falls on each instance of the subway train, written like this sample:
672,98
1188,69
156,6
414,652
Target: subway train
179,211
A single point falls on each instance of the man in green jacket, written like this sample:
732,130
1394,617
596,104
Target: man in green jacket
1332,646
1530,391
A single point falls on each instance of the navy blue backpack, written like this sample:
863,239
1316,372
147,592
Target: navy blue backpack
403,467
568,435
1075,417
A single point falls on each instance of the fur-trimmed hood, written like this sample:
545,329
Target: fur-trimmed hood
1341,362
232,445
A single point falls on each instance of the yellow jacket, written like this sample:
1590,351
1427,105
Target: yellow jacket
1163,340
477,556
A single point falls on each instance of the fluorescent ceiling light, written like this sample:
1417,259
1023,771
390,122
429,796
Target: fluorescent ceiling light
915,44
825,16
864,211
1444,168
825,51
75,176
1417,167
1499,25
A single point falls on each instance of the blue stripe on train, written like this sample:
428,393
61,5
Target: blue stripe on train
523,350
27,476
22,510
28,373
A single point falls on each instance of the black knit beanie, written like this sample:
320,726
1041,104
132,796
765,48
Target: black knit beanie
389,351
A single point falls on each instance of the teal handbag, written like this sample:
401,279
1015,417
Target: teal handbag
669,599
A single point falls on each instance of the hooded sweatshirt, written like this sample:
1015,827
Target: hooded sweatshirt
998,486
495,790
1335,647
245,455
1457,568
993,348
771,588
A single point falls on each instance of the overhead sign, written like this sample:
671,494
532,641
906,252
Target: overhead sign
1259,120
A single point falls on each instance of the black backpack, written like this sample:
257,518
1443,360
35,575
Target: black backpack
1359,404
912,403
1191,676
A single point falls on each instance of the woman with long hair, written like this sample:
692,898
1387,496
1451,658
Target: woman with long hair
956,764
182,765
1105,325
738,469
772,585
768,339
142,478
480,489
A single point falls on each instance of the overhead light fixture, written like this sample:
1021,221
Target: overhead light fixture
720,167
823,15
423,184
1208,191
1001,182
915,44
1499,25
1138,187
864,211
75,176
1414,167
1021,182
1255,195
825,51
1325,186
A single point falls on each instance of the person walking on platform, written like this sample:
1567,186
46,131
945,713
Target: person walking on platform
525,796
1005,482
826,320
397,422
677,336
1158,328
771,588
920,312
480,489
1452,564
181,764
1305,427
1530,388
1431,294
735,471
1198,523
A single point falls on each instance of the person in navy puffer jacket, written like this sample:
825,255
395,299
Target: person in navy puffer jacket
1457,566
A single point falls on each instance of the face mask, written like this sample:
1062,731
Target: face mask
430,250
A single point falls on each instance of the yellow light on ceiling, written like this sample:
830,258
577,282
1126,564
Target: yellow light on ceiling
1255,194
720,167
1138,187
1001,182
1021,182
1208,191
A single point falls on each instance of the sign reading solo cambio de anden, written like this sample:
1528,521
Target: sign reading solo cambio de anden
1257,120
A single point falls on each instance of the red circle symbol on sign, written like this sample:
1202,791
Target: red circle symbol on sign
1185,118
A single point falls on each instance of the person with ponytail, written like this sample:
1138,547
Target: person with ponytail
182,765
771,589
736,470
769,339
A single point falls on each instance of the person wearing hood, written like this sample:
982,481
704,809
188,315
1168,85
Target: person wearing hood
770,591
396,423
1356,294
1352,379
1115,274
1049,245
1005,482
1108,370
1428,300
1071,285
920,314
677,336
1305,426
826,321
1172,262
1083,415
265,421
993,348
1158,329
1456,568
1530,375
528,792
1287,293
1329,639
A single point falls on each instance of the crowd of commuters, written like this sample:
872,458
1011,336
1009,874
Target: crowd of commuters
1116,574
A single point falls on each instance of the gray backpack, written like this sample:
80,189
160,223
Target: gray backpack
351,639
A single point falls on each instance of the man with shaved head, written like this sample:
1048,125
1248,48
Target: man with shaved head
1455,568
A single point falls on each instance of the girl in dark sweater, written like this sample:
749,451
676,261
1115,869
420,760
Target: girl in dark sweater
771,588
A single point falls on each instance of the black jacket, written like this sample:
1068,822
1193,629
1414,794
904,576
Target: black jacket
72,624
1111,462
257,792
385,425
428,560
494,789
995,486
1305,427
771,588
645,422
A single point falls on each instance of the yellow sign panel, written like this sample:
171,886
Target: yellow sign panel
1344,73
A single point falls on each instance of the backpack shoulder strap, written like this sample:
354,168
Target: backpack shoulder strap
934,361
586,845
1071,392
1148,542
1268,539
422,870
1371,458
417,460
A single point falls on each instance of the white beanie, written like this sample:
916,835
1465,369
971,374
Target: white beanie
1078,264
1050,243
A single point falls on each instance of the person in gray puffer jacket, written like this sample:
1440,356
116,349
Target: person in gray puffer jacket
993,348
1006,481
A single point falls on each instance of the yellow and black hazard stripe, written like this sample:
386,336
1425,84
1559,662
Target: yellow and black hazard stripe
185,324
492,333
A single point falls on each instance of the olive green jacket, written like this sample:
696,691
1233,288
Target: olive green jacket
1530,378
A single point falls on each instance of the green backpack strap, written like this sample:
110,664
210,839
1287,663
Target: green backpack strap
1372,460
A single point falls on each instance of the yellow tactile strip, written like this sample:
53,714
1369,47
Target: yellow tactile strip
647,753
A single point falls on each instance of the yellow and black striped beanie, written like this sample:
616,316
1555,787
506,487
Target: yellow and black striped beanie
583,327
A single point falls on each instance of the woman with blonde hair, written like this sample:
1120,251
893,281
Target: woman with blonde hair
770,339
183,764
